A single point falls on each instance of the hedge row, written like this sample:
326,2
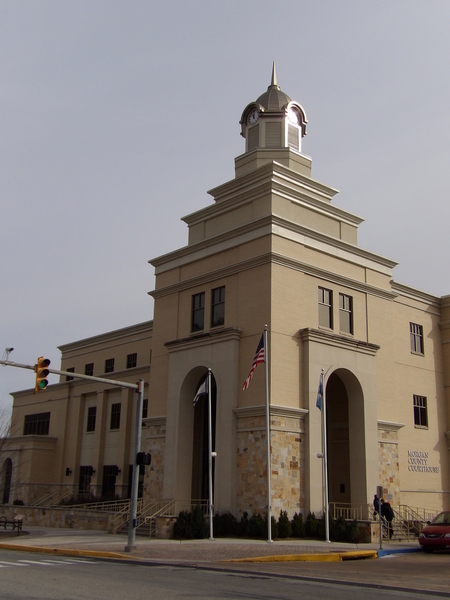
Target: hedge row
192,525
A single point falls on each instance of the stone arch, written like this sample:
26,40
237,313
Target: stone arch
346,438
191,451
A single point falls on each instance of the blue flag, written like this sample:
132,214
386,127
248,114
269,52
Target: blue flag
202,391
319,400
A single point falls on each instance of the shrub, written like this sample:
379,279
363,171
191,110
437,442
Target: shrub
190,525
311,526
243,525
256,527
225,525
298,527
284,525
182,528
339,530
199,525
274,526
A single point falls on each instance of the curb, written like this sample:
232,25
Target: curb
65,551
329,557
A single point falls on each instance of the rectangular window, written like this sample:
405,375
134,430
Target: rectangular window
38,424
198,312
84,485
325,308
345,313
145,408
92,415
115,416
70,370
218,306
110,473
109,365
420,411
416,337
131,360
89,369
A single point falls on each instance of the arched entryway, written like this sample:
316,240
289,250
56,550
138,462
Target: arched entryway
200,443
6,480
345,439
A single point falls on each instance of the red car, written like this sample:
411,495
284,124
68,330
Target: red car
436,535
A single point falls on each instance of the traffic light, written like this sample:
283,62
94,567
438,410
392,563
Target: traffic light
42,372
143,459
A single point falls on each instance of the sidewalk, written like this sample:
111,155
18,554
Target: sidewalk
101,544
306,560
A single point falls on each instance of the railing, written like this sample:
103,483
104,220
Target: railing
54,498
351,512
421,515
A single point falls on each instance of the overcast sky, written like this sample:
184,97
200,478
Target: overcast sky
118,116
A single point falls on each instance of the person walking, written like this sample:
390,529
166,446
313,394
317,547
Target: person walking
376,506
388,514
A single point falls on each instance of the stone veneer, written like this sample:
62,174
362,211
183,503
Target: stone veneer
154,442
388,461
287,454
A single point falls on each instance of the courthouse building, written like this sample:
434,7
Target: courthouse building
272,249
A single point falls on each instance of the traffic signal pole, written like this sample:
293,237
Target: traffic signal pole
139,388
135,480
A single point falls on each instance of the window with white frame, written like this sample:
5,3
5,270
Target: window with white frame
345,313
325,308
416,338
420,411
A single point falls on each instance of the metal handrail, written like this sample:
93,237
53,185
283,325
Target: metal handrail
350,512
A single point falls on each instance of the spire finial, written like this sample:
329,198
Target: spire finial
274,75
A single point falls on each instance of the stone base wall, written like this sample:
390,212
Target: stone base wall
164,527
30,493
288,476
287,460
57,517
154,443
251,465
388,461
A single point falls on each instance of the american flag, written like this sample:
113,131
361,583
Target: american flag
259,358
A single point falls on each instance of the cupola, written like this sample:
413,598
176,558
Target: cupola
273,121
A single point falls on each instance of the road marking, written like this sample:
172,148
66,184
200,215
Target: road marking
45,562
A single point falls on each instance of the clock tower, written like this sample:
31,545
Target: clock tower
273,121
273,127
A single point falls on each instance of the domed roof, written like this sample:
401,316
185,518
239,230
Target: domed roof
274,99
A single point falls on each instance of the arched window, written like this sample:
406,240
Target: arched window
6,480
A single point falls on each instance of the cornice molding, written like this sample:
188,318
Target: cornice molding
409,292
215,336
227,189
272,257
389,426
155,421
333,339
145,327
274,410
280,181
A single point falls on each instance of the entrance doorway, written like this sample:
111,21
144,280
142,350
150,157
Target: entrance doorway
347,471
339,488
200,456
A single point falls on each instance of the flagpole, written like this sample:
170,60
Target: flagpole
269,462
210,455
325,458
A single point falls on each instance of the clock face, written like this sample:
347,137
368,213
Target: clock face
293,116
253,117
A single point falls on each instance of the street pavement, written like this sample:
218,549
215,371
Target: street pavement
408,568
